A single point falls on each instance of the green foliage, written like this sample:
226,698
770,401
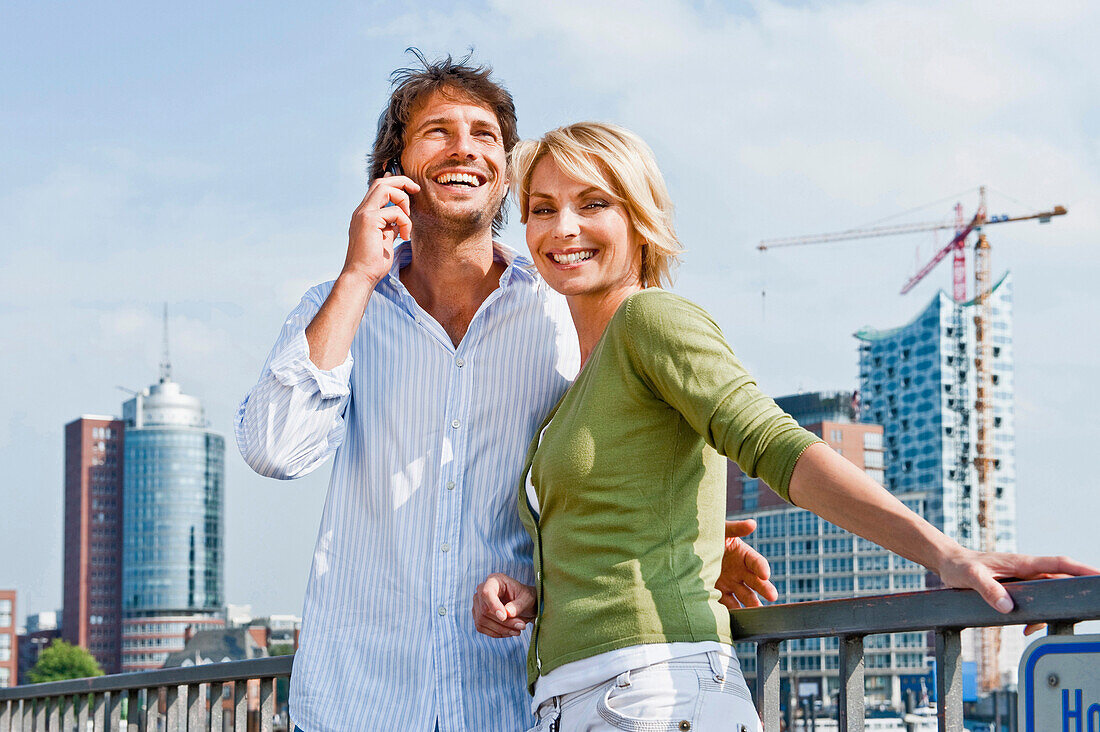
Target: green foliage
63,661
280,649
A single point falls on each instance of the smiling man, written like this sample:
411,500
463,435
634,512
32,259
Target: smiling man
426,367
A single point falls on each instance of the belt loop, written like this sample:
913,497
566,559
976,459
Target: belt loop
623,680
716,666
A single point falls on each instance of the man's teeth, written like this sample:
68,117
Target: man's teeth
572,257
465,179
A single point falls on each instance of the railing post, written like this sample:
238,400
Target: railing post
115,710
217,708
240,706
99,712
68,714
5,716
267,704
196,709
1064,627
81,701
173,715
767,682
851,686
151,716
40,706
949,711
55,713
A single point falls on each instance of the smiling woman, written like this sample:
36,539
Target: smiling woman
609,159
623,491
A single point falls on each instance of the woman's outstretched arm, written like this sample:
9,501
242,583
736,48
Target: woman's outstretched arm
836,490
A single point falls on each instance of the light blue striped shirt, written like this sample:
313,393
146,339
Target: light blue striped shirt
429,442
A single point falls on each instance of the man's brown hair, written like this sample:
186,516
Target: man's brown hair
449,76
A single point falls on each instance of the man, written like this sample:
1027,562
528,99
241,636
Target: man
427,368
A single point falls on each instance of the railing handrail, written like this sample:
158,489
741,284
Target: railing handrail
255,668
1037,601
1056,600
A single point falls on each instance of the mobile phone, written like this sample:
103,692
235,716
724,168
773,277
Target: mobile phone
394,167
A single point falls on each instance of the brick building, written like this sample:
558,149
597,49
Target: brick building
93,538
9,646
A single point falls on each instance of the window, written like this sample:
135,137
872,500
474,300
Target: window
836,435
872,440
5,647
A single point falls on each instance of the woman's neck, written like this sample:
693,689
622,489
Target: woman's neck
592,312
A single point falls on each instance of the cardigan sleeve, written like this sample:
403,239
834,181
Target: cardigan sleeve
679,352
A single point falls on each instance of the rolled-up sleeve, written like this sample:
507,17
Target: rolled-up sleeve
292,420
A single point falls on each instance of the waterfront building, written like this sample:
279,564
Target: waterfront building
173,551
918,381
92,591
9,644
812,559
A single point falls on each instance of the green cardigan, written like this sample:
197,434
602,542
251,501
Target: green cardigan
632,488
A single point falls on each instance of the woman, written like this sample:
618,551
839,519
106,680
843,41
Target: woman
624,488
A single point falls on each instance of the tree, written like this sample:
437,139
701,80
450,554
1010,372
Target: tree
63,660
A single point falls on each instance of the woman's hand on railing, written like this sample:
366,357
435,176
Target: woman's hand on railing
974,570
503,606
745,572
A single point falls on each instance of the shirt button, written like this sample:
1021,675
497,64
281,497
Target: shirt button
460,362
450,485
446,547
455,424
442,610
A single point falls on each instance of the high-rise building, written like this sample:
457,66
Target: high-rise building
811,559
9,647
918,381
93,537
173,554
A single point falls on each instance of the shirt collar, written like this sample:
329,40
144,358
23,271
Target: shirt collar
517,263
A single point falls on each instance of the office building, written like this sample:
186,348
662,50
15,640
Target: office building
173,553
9,645
918,381
812,559
92,592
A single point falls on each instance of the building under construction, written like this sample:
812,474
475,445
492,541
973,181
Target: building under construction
919,382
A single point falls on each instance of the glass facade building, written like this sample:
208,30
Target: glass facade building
173,532
918,382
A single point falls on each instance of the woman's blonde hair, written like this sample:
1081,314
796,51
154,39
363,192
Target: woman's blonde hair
619,162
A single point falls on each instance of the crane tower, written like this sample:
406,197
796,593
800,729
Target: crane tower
982,405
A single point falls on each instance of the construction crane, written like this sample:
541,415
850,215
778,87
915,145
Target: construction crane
983,461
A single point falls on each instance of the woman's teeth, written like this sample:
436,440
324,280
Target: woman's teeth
465,179
573,257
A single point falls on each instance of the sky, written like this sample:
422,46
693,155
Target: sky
209,156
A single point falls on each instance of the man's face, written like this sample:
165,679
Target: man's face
455,151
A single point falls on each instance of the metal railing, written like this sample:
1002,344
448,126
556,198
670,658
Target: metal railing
168,700
1059,602
190,698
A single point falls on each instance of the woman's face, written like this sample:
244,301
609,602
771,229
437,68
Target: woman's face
580,238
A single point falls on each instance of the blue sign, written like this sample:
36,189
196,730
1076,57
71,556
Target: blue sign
1060,684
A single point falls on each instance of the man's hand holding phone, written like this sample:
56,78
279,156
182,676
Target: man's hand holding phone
383,216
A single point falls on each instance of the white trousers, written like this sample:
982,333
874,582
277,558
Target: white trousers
705,693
